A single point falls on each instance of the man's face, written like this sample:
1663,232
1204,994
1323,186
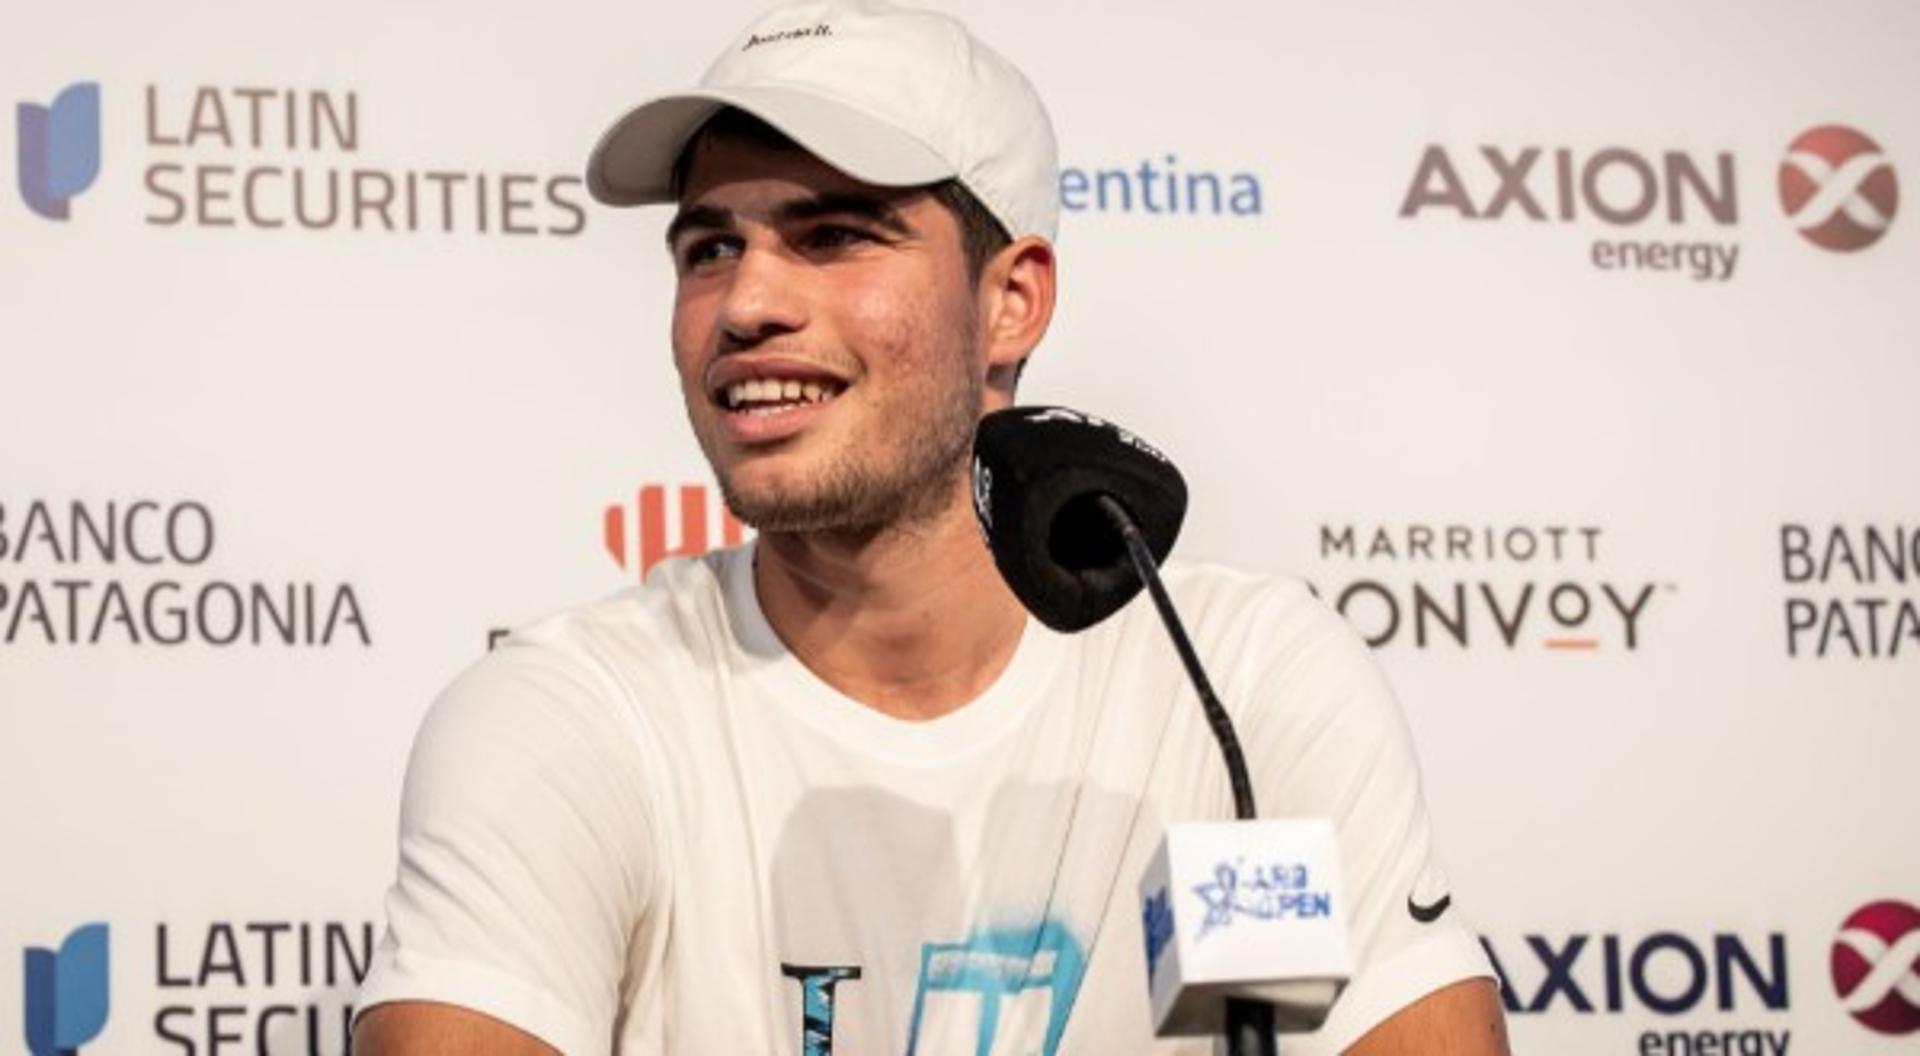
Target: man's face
826,339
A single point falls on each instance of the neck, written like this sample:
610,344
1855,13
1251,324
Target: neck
911,620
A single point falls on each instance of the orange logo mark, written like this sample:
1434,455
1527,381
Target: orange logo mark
650,538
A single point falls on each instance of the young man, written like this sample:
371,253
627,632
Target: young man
834,791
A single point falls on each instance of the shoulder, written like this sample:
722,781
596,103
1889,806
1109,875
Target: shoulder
1262,623
1209,585
579,684
1284,661
680,607
630,644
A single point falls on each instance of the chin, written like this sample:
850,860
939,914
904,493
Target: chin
766,498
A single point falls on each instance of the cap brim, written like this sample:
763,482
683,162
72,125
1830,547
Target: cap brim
633,162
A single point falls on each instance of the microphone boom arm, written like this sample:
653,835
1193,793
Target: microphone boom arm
1222,725
1250,1024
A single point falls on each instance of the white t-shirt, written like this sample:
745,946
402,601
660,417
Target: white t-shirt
642,826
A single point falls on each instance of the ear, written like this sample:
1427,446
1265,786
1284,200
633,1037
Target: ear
1016,305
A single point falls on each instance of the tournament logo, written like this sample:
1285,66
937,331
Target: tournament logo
1156,921
59,153
1876,967
66,992
643,540
1838,188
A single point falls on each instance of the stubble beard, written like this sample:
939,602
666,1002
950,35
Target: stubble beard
855,492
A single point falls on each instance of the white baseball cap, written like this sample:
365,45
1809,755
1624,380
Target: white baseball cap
891,96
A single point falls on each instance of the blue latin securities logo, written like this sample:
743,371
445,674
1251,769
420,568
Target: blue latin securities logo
59,148
66,992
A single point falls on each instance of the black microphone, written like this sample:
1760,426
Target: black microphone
1038,477
1078,513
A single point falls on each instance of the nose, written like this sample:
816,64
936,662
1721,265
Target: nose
764,298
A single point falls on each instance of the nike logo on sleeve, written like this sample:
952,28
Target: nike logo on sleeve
1429,913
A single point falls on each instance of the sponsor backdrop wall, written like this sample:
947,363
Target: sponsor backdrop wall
1570,350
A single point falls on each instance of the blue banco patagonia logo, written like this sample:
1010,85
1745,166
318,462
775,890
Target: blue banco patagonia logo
59,149
66,992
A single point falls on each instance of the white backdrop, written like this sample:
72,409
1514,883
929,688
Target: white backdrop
424,429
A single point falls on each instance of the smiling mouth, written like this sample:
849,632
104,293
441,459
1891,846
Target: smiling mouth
771,395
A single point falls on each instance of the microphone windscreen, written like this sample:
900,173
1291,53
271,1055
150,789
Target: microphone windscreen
1038,474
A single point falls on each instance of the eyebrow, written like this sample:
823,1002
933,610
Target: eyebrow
867,207
692,216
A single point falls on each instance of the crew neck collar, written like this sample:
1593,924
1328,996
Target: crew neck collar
799,692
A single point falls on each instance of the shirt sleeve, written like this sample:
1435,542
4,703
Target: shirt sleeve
1331,742
525,853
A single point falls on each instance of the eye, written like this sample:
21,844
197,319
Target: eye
706,250
836,236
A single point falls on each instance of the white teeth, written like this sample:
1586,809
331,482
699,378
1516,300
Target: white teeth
777,391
